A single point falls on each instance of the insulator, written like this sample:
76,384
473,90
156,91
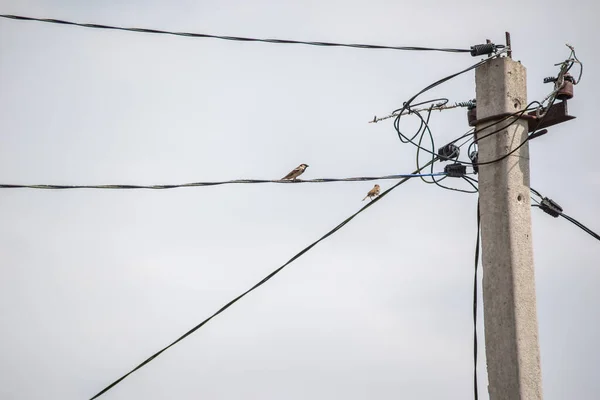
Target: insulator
470,104
550,79
483,49
566,90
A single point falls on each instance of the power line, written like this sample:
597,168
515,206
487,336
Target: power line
197,184
235,38
551,207
260,283
543,205
580,225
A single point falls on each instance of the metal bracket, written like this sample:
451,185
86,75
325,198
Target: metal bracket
556,114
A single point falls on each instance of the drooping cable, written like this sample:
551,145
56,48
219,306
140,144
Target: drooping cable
256,286
235,38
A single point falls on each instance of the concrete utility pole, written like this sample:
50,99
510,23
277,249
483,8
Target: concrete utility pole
511,329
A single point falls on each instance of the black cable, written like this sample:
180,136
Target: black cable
196,184
532,134
475,305
536,192
576,223
407,104
263,281
470,182
565,216
236,38
425,126
516,116
581,226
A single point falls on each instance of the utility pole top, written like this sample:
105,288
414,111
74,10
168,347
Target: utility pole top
501,87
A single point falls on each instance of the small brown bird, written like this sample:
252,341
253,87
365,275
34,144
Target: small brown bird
372,193
296,172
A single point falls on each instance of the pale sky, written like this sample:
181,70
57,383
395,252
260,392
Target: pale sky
93,282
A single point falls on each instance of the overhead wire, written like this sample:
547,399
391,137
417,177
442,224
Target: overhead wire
560,213
233,38
199,184
256,286
406,109
580,225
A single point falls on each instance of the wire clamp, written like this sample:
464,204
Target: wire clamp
448,152
551,207
483,49
456,170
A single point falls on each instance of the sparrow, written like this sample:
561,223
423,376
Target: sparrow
296,172
372,193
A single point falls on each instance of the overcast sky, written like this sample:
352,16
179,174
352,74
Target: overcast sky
93,282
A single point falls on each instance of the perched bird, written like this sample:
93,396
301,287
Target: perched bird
372,193
296,172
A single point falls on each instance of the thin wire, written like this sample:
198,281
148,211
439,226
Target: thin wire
260,283
441,106
235,38
477,244
197,184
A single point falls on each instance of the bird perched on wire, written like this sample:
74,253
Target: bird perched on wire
372,193
296,172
